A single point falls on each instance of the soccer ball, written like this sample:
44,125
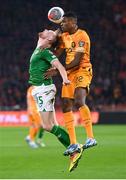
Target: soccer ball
55,14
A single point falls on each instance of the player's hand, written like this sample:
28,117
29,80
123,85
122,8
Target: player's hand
66,82
50,72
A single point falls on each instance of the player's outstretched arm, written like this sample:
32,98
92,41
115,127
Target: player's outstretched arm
61,70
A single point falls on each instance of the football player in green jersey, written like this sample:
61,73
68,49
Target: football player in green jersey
44,90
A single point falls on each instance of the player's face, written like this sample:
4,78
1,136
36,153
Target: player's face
48,34
67,24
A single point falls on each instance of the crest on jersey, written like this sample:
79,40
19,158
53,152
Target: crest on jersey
73,44
81,43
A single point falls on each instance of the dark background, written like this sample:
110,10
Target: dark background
105,21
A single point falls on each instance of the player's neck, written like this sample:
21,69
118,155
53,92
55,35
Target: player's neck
74,30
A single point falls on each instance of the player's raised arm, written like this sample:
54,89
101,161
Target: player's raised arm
61,70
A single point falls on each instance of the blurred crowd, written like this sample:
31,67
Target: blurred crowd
105,21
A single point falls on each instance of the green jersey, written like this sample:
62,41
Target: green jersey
40,62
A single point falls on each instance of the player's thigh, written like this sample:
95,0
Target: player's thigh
80,96
67,104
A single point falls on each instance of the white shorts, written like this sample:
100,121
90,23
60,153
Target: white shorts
44,97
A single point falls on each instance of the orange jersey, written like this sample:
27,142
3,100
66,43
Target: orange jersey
77,42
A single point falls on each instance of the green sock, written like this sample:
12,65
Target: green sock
61,134
41,133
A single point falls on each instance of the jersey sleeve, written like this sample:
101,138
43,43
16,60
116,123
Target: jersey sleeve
49,56
82,41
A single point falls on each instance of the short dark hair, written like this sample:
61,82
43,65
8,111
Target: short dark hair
70,14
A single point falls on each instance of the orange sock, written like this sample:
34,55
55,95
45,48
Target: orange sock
32,132
86,117
69,123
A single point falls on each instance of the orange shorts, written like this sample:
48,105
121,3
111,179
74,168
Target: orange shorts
80,78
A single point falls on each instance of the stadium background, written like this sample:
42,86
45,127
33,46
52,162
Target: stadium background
105,21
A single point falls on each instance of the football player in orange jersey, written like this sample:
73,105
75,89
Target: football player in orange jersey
76,43
34,120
